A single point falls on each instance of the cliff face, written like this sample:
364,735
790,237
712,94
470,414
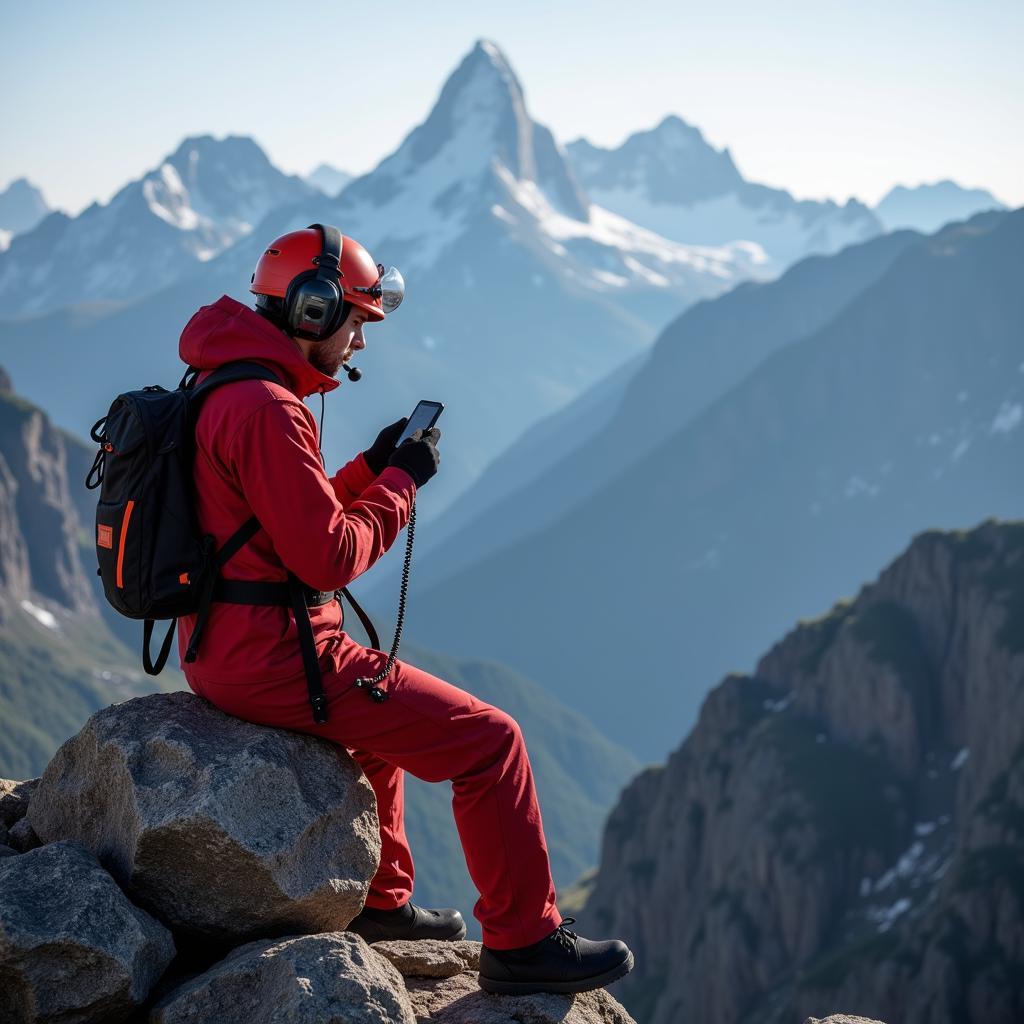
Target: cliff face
844,828
39,524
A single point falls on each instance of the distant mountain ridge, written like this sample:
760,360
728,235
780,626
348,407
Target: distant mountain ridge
328,179
201,199
927,207
698,358
670,180
901,412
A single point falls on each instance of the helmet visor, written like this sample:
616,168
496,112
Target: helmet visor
392,289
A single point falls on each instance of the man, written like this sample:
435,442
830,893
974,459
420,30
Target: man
258,454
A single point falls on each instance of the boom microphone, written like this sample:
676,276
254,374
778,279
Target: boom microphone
354,373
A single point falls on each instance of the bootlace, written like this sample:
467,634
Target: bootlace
565,936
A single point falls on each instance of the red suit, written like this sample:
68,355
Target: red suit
257,454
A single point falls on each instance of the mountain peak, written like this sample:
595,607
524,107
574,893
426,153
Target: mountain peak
671,162
22,206
478,135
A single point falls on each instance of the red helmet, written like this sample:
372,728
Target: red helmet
315,272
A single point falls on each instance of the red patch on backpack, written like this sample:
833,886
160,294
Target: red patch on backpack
105,536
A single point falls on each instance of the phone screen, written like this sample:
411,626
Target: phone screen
423,417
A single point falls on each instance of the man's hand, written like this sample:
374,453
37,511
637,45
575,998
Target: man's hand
418,455
380,451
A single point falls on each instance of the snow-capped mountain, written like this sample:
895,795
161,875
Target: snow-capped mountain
927,207
22,207
480,157
200,200
328,179
672,181
521,293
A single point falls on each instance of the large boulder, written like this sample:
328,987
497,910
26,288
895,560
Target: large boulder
334,978
442,995
72,947
223,829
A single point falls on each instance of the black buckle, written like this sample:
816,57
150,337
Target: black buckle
319,709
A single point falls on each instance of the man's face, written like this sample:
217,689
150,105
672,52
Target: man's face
328,355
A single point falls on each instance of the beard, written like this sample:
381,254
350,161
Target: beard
327,357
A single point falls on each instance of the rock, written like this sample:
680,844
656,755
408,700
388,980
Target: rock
22,838
223,829
14,798
430,958
72,947
460,1000
333,978
841,1018
8,851
4,835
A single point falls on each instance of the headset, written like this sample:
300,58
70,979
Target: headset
314,304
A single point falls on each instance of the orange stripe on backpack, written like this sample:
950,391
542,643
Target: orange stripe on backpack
120,548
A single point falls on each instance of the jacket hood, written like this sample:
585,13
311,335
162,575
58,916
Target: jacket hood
227,331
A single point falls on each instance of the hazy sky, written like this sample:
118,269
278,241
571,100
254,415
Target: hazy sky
821,98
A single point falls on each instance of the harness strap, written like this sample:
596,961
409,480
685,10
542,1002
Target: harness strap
256,592
307,645
371,633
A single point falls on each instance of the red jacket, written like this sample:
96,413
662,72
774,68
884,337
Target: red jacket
257,454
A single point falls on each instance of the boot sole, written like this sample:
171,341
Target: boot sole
380,935
522,988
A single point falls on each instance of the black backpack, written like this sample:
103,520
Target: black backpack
153,559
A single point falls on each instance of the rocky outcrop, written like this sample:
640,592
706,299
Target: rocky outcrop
844,827
441,995
223,829
334,978
72,947
178,800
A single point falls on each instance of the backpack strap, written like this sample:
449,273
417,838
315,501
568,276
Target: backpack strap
226,374
154,668
231,547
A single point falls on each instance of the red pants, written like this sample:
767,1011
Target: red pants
437,732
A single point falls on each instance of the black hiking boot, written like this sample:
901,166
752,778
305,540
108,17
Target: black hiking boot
408,922
562,962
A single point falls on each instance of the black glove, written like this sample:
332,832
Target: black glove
418,455
379,452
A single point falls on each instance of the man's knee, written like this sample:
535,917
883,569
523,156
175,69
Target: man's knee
501,729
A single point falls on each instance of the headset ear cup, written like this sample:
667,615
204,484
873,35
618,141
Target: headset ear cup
308,293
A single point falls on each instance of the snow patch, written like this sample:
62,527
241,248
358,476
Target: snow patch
5,239
885,917
1008,417
960,760
779,705
41,615
167,197
857,485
